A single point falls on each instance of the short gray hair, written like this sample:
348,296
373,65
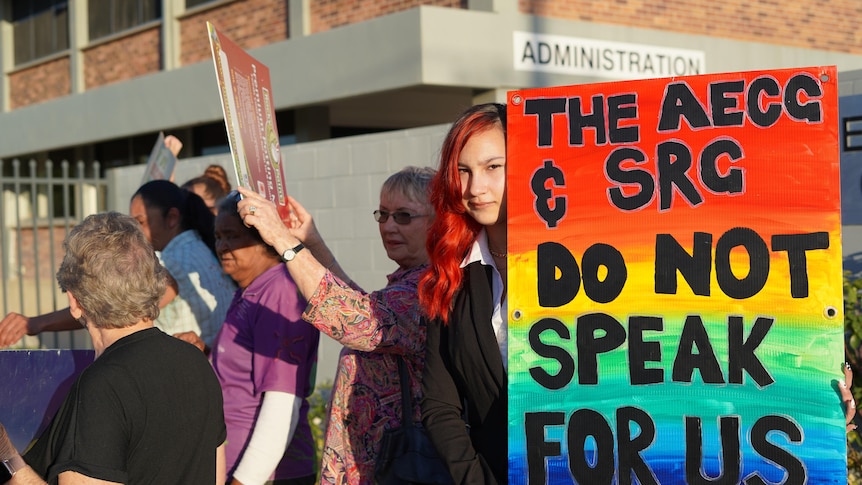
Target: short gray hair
112,271
411,182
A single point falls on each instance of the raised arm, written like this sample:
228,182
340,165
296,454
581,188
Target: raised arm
305,269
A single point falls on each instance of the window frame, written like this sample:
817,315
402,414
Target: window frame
122,16
39,30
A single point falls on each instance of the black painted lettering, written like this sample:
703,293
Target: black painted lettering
740,351
599,470
796,473
590,345
693,337
622,107
596,256
537,448
796,246
634,176
758,263
567,363
695,268
731,457
762,111
723,112
630,448
673,160
678,103
545,109
578,120
733,182
810,110
555,292
641,352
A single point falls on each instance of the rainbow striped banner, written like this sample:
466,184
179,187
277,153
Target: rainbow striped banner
675,281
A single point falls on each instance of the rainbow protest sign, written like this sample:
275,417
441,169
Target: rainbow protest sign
675,283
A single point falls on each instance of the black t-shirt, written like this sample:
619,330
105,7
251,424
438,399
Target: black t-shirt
147,411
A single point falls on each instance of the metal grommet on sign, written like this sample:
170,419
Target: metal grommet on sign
830,312
516,315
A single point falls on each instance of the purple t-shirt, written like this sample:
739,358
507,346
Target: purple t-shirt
264,345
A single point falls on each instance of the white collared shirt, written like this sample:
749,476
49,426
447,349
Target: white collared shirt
499,320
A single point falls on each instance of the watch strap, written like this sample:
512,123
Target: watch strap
291,253
8,468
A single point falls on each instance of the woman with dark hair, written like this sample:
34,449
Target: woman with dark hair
180,227
463,294
265,358
212,186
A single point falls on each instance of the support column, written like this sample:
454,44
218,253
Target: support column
7,54
299,18
79,37
498,6
171,11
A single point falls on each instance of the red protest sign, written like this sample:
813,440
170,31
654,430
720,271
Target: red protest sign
249,115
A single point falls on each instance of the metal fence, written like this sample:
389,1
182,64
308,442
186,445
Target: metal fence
39,208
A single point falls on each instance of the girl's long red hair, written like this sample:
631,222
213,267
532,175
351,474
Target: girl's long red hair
453,230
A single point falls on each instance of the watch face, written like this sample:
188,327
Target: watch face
289,254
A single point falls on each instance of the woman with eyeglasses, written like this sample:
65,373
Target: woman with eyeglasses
375,327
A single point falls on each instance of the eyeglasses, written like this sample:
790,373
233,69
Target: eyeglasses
400,218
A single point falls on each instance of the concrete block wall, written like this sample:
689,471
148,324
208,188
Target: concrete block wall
338,181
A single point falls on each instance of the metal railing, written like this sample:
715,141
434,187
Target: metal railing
38,209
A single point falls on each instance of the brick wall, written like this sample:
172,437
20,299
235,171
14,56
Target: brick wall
250,23
828,24
124,58
328,14
29,255
41,82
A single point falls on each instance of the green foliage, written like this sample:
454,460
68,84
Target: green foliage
318,412
853,355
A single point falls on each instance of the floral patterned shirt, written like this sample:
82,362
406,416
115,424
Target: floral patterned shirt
366,396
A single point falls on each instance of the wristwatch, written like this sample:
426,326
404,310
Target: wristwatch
289,254
7,470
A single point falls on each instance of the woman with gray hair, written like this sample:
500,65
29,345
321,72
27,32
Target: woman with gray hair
149,409
375,328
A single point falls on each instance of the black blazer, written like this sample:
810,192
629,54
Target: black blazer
463,365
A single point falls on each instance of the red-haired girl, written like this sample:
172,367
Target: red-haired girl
463,294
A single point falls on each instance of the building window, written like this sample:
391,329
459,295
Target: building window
195,3
107,17
853,134
40,28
